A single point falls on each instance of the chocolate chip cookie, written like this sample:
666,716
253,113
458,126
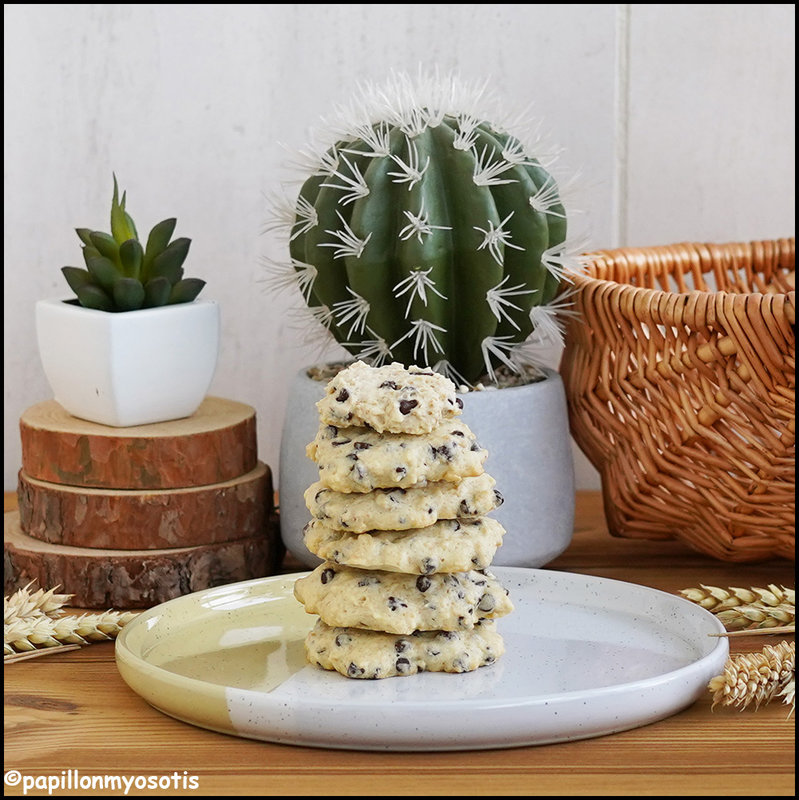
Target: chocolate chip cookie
395,602
366,654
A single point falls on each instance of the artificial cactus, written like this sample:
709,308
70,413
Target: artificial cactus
121,275
428,235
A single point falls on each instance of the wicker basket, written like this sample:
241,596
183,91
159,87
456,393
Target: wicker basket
679,370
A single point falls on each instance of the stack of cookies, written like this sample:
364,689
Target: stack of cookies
399,517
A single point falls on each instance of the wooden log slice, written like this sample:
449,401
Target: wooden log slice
146,520
217,443
102,579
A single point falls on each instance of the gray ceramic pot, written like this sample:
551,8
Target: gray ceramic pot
526,432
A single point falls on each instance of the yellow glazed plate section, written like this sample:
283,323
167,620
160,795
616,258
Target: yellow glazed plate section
181,656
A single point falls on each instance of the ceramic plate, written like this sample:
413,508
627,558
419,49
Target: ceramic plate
585,656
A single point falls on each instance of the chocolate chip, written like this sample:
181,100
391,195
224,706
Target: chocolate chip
401,645
423,583
342,396
402,664
401,470
389,385
464,509
332,430
362,445
499,498
406,406
428,566
352,456
343,639
487,603
339,442
459,402
327,575
354,671
394,603
458,433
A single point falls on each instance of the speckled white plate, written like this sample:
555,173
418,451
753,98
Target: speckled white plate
585,657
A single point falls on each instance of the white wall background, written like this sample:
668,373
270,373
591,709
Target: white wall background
679,117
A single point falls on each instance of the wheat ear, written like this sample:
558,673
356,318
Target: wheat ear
35,622
738,608
757,678
24,603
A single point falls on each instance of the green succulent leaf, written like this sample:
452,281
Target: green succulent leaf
156,292
132,226
122,226
105,272
128,294
85,235
92,296
90,251
186,290
130,257
76,277
169,263
158,240
106,245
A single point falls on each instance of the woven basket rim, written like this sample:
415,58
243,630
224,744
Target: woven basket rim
690,248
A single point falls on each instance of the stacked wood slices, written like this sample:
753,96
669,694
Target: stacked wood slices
131,517
400,519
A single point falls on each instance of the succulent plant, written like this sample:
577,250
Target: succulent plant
428,234
121,275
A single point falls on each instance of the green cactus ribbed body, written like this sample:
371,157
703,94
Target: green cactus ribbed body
429,245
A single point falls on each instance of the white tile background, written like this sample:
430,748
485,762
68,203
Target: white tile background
680,119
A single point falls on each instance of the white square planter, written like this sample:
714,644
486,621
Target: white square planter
128,368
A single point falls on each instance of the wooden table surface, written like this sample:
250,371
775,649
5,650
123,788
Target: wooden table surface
72,711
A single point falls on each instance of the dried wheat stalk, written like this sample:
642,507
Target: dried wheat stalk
36,621
24,603
45,651
757,678
740,609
